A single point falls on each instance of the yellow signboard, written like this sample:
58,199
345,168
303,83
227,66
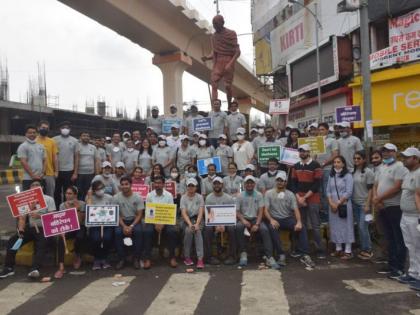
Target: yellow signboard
395,96
160,213
317,144
263,57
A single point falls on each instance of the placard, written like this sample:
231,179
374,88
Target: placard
141,189
26,201
317,144
168,122
60,222
348,113
220,215
160,213
202,124
170,186
267,152
202,165
279,107
107,215
289,156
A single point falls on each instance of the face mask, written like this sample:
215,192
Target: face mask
174,175
272,172
389,160
287,133
162,143
106,175
212,176
338,170
30,141
261,131
241,137
202,142
43,132
344,134
65,132
130,149
100,192
234,113
222,145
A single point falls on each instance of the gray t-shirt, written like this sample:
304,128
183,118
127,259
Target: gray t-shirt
50,208
224,199
188,123
280,206
88,155
67,148
110,187
387,177
205,152
219,124
155,123
102,154
104,201
81,208
145,161
129,206
258,140
35,154
115,152
330,146
162,155
348,147
232,185
360,185
225,154
267,181
192,205
409,186
248,204
130,160
234,121
184,157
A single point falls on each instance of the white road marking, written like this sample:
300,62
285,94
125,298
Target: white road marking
180,295
377,286
263,293
415,312
18,293
94,298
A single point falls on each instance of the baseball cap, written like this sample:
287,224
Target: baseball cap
223,136
305,147
162,137
191,181
240,131
344,124
253,130
249,177
290,126
390,147
175,126
260,125
126,133
250,167
196,133
172,105
282,175
106,164
120,164
155,108
202,136
183,137
108,138
411,152
218,179
150,128
313,125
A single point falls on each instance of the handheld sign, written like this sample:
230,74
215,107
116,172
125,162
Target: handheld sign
202,124
141,189
220,215
317,144
60,222
279,107
267,152
102,215
26,201
160,213
170,186
289,156
168,122
348,113
202,165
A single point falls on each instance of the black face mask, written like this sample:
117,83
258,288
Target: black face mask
43,132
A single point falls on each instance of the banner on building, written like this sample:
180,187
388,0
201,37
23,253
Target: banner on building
26,201
160,213
279,107
348,113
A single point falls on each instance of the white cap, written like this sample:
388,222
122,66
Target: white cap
155,108
253,130
191,181
282,175
305,147
313,125
172,105
183,137
151,128
120,164
260,125
411,152
289,126
162,137
202,136
218,179
249,177
108,138
175,126
331,129
223,136
126,133
345,124
137,142
240,131
250,167
196,133
106,164
390,147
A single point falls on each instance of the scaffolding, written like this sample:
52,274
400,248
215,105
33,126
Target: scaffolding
4,82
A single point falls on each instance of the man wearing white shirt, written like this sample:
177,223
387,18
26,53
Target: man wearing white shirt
243,150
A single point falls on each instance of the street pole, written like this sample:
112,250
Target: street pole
366,87
217,6
318,66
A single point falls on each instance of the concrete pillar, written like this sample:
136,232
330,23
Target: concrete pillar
172,67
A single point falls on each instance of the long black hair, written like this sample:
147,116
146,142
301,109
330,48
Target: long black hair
362,154
289,143
345,169
152,174
149,150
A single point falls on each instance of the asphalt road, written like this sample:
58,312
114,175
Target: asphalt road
332,288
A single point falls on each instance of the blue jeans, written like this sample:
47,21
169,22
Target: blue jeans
311,213
362,225
137,237
101,246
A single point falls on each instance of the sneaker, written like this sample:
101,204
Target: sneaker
77,262
365,255
136,263
321,255
230,261
120,265
147,264
33,274
406,279
105,264
188,262
214,261
395,275
415,285
271,262
295,254
307,261
173,263
380,260
243,260
384,271
282,260
96,265
200,264
6,272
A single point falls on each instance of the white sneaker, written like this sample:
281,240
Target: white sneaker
34,274
243,260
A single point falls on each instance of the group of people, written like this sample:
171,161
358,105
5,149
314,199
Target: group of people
342,186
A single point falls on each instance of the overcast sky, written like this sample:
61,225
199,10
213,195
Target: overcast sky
85,61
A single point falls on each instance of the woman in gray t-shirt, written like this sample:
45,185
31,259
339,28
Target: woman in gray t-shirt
163,155
145,156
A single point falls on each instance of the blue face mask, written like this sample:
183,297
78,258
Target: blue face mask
389,160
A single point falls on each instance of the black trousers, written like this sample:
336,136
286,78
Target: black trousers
62,182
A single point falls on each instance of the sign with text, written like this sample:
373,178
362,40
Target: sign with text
168,122
317,144
26,201
60,222
202,165
160,213
220,215
289,156
170,186
267,152
279,107
141,189
202,124
102,215
348,113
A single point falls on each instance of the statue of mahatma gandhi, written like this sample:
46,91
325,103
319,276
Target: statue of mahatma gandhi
225,52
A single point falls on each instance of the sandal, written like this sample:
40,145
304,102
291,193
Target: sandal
365,255
347,256
59,274
336,254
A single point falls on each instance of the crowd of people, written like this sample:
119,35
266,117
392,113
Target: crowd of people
342,187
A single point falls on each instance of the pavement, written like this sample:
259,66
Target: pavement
333,287
7,222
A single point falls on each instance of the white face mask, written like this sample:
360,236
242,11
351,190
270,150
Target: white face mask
287,133
130,149
191,175
241,137
106,175
174,175
261,131
65,131
30,141
202,142
162,143
100,192
222,145
338,170
272,172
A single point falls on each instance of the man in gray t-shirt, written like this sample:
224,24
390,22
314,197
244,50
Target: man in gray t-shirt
219,123
348,144
155,121
115,149
234,121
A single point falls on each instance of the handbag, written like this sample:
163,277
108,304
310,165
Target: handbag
341,209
